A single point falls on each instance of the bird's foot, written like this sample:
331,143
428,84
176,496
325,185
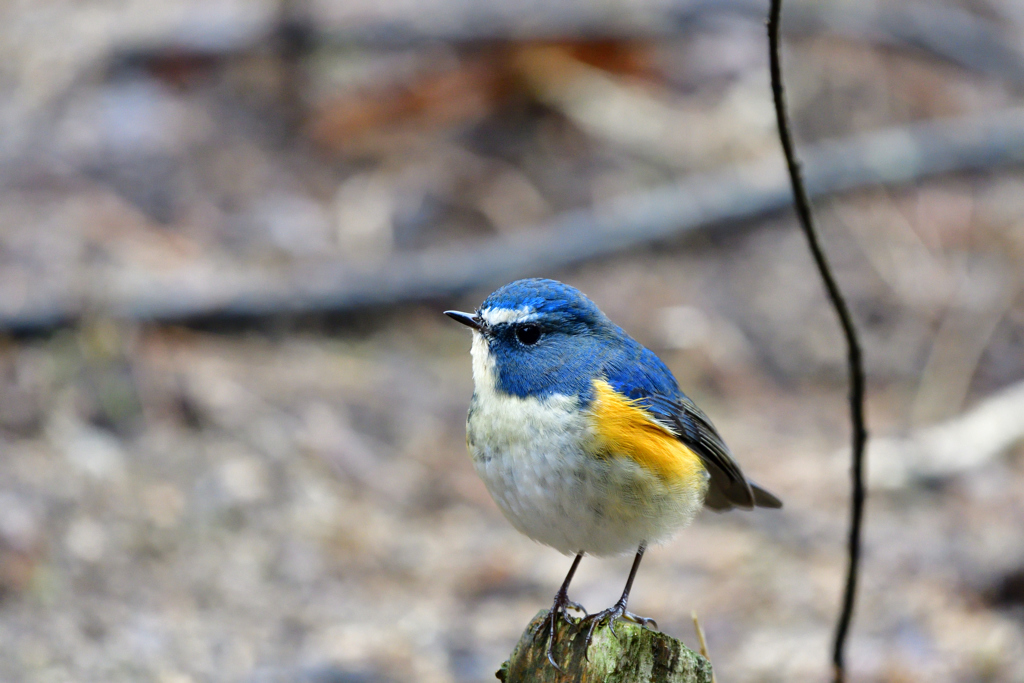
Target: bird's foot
558,609
616,611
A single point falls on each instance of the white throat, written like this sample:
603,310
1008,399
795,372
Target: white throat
485,371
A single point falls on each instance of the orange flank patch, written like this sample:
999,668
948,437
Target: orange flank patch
625,429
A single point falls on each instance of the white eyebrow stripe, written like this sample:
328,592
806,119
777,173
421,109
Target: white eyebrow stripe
497,316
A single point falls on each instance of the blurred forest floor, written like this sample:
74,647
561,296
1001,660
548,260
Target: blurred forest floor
288,498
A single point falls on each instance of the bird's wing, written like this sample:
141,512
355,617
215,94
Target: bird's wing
647,381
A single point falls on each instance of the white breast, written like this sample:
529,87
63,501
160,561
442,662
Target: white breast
536,459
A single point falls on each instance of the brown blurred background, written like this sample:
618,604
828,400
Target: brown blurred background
232,423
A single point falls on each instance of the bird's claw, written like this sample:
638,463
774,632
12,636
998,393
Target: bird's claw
559,609
617,611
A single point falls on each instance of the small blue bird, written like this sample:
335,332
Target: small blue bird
582,435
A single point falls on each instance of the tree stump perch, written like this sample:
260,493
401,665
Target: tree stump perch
637,655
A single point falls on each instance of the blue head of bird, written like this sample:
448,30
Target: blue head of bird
537,338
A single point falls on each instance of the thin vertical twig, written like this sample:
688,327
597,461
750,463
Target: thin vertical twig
703,643
854,358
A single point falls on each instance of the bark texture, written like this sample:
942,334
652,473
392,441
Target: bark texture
637,655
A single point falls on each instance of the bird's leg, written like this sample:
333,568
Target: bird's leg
618,610
562,602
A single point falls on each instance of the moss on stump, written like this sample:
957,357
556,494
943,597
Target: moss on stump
637,655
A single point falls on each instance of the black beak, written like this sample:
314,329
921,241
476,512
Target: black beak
467,319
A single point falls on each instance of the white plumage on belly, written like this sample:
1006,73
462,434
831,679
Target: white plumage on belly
536,458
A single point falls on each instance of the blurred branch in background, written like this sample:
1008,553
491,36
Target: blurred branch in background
716,200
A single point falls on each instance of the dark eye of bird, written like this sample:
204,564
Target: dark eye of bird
528,334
